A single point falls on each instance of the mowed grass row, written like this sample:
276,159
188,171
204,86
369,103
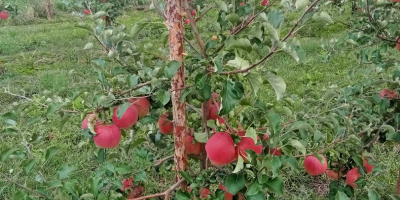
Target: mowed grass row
50,56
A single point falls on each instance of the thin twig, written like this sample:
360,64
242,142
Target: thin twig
165,193
162,160
26,98
23,187
203,14
194,27
195,109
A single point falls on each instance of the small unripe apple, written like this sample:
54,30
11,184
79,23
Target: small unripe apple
221,149
193,12
187,21
351,177
314,167
128,119
214,37
108,136
164,124
4,15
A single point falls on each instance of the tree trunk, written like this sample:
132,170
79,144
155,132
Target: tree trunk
48,9
175,27
398,184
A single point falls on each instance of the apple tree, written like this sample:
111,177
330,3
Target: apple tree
197,98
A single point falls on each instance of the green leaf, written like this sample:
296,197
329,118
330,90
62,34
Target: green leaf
28,165
65,171
272,164
258,196
184,94
171,68
163,96
301,125
238,63
251,133
239,165
218,65
290,160
298,145
122,109
241,43
274,121
137,142
322,17
138,27
200,137
53,108
300,4
341,196
373,195
132,80
87,196
180,195
9,131
124,168
9,115
101,155
221,6
88,46
275,185
51,151
234,183
272,31
231,94
255,80
99,14
277,83
200,80
254,189
141,176
275,17
186,176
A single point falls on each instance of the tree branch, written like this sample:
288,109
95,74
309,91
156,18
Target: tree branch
23,187
202,15
194,27
274,49
165,193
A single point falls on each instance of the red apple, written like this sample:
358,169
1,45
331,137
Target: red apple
85,122
165,125
221,149
264,2
193,12
265,136
204,192
187,21
214,37
276,151
242,4
192,149
228,196
248,143
4,15
395,1
314,167
213,112
128,119
368,166
108,136
333,174
351,177
142,105
388,93
86,12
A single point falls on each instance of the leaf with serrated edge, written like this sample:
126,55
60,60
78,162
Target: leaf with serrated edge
277,83
255,80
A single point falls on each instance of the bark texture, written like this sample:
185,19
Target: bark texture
48,9
398,184
175,27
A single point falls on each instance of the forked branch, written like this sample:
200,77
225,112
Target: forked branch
166,193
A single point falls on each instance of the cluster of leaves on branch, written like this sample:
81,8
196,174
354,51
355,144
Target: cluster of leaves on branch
339,126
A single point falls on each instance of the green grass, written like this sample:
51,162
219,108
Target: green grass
49,57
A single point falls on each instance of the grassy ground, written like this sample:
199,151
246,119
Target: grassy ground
38,55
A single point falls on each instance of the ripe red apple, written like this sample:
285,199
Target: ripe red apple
165,125
4,15
351,177
86,12
128,119
314,167
213,112
216,97
333,174
228,196
108,136
193,12
248,143
142,105
221,149
265,136
276,151
192,149
395,1
242,3
368,166
264,2
398,43
204,192
187,21
221,121
388,93
214,37
85,122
